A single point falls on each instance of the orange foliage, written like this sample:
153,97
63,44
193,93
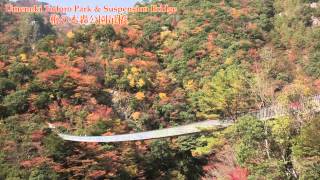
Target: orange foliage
140,96
317,84
146,65
43,54
108,134
162,79
96,174
141,146
60,60
57,167
150,55
53,109
70,72
292,56
101,112
212,48
52,73
245,10
65,102
117,27
253,53
79,62
212,36
154,18
130,51
2,65
235,13
33,162
239,174
116,46
112,155
10,146
91,145
37,135
251,26
87,80
133,34
192,63
136,115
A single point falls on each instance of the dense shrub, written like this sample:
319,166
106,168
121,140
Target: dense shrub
46,44
56,147
105,33
313,67
6,85
20,73
17,102
149,29
42,100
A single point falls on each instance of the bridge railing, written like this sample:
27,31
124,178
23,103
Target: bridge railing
304,104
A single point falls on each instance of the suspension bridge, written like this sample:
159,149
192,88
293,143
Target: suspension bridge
306,105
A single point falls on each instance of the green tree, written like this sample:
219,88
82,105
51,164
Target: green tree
306,151
45,44
43,173
42,100
17,102
151,28
19,72
105,33
56,147
6,85
252,151
313,67
225,93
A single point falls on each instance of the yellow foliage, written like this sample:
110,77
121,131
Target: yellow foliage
235,13
23,57
136,115
298,87
190,85
136,26
140,96
163,96
132,83
281,128
70,35
169,39
161,75
164,34
212,144
228,61
171,43
197,30
132,170
135,70
141,83
117,122
125,71
162,78
130,77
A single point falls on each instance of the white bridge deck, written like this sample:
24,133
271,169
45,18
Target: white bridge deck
310,104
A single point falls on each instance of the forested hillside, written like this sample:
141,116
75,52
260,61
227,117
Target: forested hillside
211,60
